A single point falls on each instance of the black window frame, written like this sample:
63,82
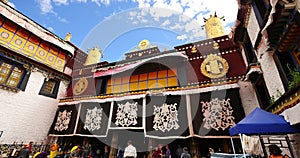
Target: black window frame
24,77
262,93
55,89
249,50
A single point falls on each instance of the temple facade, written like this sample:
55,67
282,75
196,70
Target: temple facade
189,96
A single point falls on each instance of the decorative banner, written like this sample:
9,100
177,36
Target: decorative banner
210,59
166,116
215,112
64,121
93,119
127,114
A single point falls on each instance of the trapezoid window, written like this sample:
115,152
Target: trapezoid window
50,88
142,81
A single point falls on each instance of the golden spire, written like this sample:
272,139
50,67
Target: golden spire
94,56
214,27
68,37
5,1
144,44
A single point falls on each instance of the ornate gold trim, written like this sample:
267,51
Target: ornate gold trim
194,49
216,46
80,86
214,66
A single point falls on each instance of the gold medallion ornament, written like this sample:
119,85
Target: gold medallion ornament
214,66
144,44
80,86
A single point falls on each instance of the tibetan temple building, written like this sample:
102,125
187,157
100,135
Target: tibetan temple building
189,96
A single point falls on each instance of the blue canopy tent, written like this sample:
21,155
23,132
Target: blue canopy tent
260,122
263,122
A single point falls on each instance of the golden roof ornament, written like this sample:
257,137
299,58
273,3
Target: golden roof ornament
94,56
194,49
68,37
5,1
214,27
143,44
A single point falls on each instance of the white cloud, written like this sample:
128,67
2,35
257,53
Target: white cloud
45,6
135,22
192,26
183,18
50,29
59,2
191,9
143,3
99,2
161,12
172,5
177,26
165,23
229,13
11,4
83,1
63,20
182,37
133,13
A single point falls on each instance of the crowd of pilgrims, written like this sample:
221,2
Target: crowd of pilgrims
31,150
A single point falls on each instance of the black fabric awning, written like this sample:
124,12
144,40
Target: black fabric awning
127,114
215,112
156,116
64,121
166,117
93,120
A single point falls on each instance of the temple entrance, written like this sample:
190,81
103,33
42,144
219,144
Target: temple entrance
198,147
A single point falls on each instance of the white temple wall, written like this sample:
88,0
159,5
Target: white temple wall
270,71
27,116
248,96
253,27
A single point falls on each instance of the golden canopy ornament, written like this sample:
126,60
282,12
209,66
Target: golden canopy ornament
214,66
80,86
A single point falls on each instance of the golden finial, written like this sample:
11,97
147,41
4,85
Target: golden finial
68,37
214,27
5,1
144,44
94,56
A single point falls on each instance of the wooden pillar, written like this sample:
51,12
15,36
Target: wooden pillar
225,146
151,146
114,146
194,148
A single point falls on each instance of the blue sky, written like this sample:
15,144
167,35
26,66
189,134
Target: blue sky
117,26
